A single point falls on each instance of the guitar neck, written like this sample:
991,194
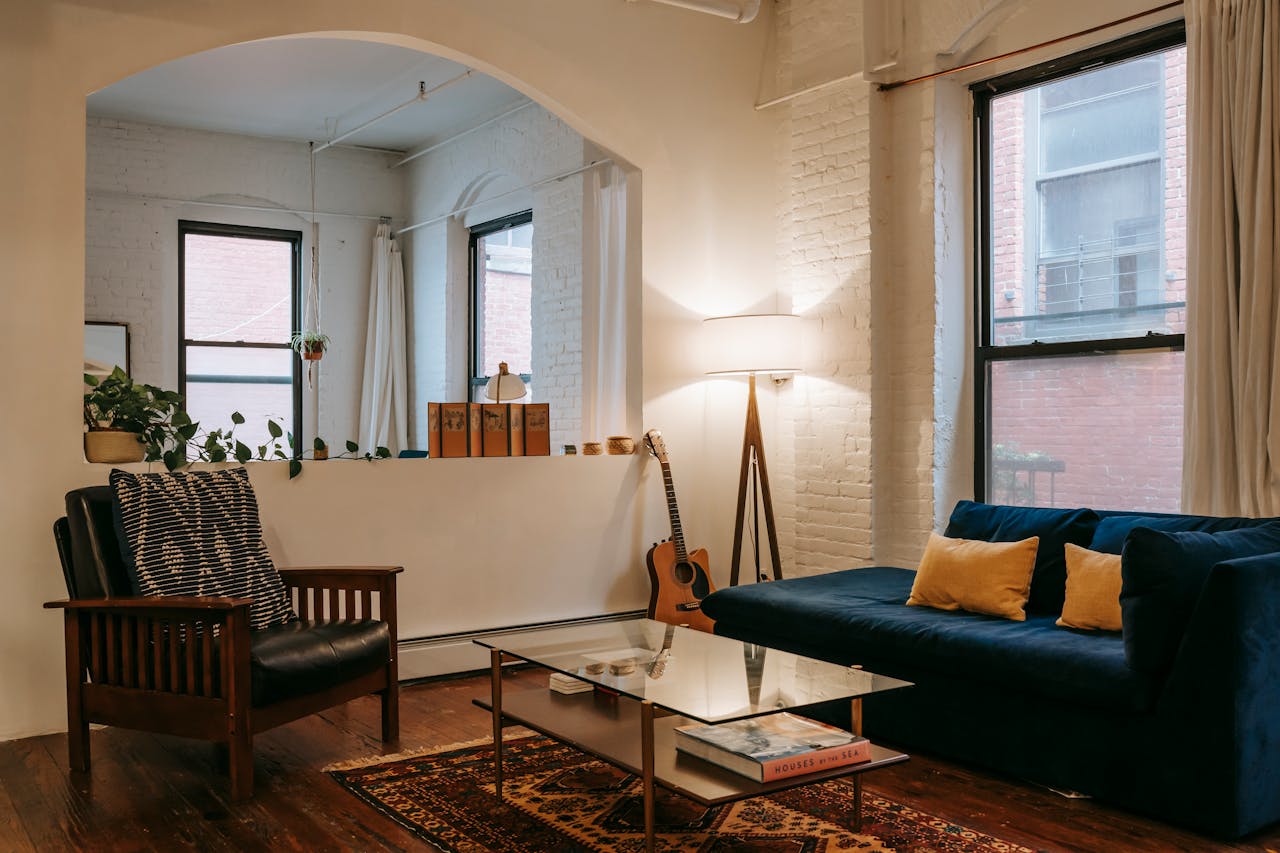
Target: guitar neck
677,532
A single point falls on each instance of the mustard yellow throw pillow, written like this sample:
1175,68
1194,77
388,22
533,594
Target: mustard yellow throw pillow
1093,590
981,577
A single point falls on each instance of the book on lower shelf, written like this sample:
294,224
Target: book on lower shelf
773,747
562,683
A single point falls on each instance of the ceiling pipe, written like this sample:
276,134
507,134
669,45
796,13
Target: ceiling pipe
738,11
423,94
423,151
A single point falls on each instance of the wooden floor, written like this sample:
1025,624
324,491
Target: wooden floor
148,792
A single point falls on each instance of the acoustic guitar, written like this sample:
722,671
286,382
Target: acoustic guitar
679,578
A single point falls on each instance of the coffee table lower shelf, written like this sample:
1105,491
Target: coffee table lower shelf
608,727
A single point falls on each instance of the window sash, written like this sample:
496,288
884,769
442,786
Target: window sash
479,232
217,229
986,352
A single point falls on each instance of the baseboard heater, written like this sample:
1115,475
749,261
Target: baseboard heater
446,654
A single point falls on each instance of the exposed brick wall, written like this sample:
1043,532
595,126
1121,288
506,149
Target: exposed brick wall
557,307
131,242
238,289
905,321
508,320
524,148
126,282
823,494
1114,422
1008,212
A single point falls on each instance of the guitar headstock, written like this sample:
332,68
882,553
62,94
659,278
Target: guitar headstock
658,447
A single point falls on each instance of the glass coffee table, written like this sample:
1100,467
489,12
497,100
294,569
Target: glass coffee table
651,677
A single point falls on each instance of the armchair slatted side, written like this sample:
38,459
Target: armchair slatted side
186,665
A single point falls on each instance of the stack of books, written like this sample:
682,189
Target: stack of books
773,747
488,429
562,683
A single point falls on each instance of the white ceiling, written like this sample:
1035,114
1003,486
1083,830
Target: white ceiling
309,89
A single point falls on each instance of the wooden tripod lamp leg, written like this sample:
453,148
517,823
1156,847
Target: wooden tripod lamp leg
752,440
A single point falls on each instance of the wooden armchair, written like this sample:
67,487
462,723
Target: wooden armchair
159,665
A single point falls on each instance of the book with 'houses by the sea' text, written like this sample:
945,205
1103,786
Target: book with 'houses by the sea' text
773,747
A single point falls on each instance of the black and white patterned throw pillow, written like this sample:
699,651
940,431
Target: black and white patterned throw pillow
198,533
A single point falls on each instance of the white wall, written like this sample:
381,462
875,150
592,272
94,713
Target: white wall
131,239
521,149
670,91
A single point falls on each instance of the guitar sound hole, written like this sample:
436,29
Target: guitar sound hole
684,572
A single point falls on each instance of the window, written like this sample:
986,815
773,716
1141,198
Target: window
238,304
501,299
1082,285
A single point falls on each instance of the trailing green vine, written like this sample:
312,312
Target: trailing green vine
168,435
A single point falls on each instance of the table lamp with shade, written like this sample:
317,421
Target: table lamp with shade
750,344
504,386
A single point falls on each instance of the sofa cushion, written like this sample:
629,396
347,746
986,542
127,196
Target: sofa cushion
980,577
306,657
1111,531
1055,527
198,533
858,614
1162,574
1093,591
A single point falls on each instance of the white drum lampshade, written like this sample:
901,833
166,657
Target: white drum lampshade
752,343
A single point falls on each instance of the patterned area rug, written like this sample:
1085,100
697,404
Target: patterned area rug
559,799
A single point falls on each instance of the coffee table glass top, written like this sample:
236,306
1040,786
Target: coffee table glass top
691,673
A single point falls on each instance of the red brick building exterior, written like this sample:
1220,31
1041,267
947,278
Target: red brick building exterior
1106,430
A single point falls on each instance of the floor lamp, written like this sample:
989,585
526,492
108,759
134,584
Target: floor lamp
750,344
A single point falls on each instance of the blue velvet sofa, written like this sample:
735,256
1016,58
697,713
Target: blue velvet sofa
1177,717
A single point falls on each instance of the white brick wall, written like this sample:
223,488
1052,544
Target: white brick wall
905,323
523,148
823,496
131,265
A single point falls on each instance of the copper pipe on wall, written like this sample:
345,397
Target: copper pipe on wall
885,87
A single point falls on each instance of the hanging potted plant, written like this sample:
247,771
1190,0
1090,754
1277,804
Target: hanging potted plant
310,345
125,419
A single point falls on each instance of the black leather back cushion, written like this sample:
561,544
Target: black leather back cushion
96,565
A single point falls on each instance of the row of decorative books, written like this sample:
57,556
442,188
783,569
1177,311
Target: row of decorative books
773,747
488,429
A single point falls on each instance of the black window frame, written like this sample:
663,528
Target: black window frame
251,232
986,353
474,335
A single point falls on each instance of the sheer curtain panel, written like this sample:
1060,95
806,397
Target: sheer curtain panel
384,400
605,308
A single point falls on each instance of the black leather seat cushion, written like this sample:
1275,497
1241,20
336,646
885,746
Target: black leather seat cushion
306,657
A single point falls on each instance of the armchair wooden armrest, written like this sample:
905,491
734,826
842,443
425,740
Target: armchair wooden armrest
151,604
372,571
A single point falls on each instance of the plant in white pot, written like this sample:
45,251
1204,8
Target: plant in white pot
128,421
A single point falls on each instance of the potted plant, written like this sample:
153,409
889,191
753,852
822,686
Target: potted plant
127,421
310,345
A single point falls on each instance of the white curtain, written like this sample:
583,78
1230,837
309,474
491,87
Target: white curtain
606,335
1231,456
384,401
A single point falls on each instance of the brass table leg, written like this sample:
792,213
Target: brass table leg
495,694
646,775
857,779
